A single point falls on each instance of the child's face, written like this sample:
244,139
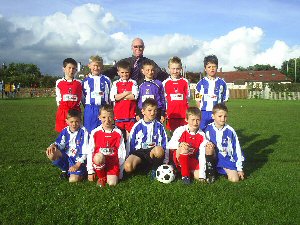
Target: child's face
193,122
149,113
95,68
175,70
70,71
148,71
107,119
73,123
123,73
220,118
211,69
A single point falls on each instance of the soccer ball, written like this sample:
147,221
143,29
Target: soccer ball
165,174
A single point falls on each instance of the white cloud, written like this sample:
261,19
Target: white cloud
89,29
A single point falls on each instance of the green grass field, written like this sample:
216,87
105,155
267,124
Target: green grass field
32,193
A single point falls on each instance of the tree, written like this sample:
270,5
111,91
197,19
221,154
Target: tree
256,67
288,68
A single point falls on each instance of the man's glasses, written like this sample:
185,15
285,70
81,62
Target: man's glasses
138,46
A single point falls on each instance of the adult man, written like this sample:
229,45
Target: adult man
136,61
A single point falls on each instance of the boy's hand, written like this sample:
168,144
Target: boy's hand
75,167
51,149
92,177
162,119
137,118
241,175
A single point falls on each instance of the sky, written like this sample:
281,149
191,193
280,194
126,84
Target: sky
239,33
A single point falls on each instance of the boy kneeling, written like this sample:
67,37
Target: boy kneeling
107,151
147,141
193,154
68,152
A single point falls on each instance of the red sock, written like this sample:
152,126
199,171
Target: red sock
184,163
100,171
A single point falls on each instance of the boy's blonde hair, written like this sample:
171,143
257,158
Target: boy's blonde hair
97,59
73,113
176,60
218,107
195,111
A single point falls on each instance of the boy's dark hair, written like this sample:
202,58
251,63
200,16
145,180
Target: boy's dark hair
124,64
107,108
69,60
193,111
149,102
219,106
74,113
210,59
175,59
148,62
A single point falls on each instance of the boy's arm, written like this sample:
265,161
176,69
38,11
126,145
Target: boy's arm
57,92
237,152
90,151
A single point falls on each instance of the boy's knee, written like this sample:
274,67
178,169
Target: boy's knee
234,179
157,152
112,182
99,158
128,167
74,178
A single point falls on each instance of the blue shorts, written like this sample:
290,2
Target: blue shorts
224,162
65,162
206,118
90,118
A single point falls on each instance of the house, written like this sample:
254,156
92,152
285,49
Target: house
244,79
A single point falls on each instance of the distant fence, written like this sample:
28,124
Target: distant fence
265,94
30,93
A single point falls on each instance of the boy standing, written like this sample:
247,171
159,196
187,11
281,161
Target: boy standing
177,94
96,88
147,142
193,154
69,150
230,156
68,93
151,88
210,90
107,151
124,93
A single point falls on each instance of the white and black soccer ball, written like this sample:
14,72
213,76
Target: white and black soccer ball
165,174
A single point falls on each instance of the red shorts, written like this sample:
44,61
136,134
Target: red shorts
112,166
173,123
193,163
125,125
61,116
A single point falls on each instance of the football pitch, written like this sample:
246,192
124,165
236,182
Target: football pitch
32,193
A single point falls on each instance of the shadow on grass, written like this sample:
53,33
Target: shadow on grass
257,152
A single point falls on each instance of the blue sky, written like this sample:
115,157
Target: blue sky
240,33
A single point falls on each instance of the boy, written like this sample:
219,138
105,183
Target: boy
147,141
151,88
124,93
96,88
230,156
107,151
68,93
177,94
210,90
192,150
69,150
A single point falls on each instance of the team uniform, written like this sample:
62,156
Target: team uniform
74,147
195,160
177,94
209,93
229,151
155,90
143,137
68,96
96,91
125,109
111,144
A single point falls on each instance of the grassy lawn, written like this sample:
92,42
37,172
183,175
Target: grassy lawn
31,192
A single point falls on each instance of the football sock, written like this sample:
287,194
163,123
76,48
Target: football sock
184,163
210,165
100,171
